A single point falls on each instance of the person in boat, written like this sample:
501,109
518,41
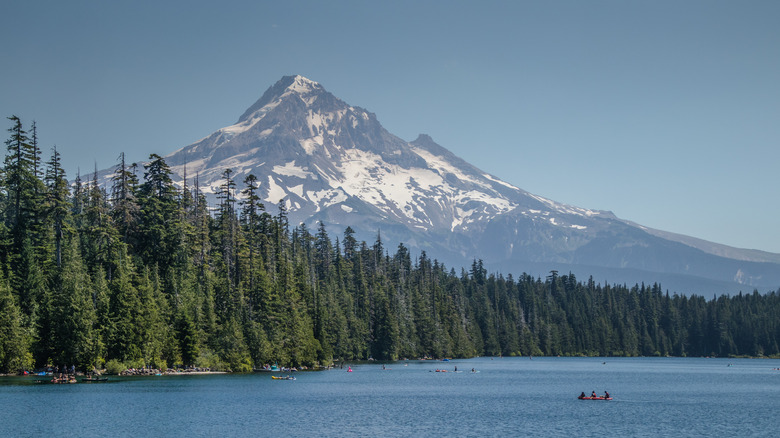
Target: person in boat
582,395
593,394
606,395
456,368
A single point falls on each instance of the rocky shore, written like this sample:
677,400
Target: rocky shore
168,372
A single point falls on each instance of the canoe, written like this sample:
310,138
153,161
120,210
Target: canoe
283,377
594,398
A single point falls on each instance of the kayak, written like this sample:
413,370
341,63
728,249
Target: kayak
283,377
594,398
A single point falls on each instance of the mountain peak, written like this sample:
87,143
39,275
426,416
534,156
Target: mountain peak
423,138
300,84
296,84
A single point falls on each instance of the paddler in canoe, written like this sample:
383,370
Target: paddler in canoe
594,396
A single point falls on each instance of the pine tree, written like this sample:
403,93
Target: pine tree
125,210
57,205
159,225
14,341
103,327
125,339
250,215
23,213
73,338
19,172
155,337
99,237
187,336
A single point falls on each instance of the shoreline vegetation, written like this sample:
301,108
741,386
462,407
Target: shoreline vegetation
332,366
142,273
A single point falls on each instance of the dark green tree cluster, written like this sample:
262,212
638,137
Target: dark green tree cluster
144,272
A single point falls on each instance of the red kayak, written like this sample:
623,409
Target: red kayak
594,398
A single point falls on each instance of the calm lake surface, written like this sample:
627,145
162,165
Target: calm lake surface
506,397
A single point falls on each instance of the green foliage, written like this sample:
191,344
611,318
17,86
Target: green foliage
73,335
187,337
115,366
147,276
14,343
208,359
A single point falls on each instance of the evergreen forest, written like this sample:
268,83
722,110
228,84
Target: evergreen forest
143,272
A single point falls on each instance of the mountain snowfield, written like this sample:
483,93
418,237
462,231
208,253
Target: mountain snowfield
331,162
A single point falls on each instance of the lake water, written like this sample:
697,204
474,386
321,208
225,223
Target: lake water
506,397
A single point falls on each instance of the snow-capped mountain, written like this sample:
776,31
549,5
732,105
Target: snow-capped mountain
332,162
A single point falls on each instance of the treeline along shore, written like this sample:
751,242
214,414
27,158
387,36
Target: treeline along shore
144,274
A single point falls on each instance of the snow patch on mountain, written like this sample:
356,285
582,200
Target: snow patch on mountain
443,167
567,209
290,169
326,198
298,190
275,192
498,181
410,192
366,176
302,85
311,144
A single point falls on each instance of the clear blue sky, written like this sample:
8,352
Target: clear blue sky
664,112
